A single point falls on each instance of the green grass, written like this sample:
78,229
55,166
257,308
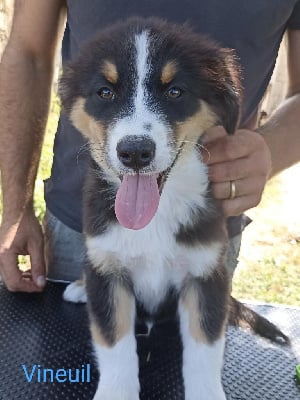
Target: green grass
269,269
46,158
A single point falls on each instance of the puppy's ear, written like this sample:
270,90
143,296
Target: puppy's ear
68,88
228,109
222,73
228,97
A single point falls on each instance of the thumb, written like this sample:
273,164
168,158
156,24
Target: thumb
37,260
213,133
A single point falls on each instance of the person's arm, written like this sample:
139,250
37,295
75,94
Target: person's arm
25,87
282,131
250,158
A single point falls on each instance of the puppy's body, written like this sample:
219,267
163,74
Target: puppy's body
143,93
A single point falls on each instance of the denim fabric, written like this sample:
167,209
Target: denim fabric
64,250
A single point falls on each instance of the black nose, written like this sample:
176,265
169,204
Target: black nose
136,151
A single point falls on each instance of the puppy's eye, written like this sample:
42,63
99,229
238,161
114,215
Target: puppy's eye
106,93
174,92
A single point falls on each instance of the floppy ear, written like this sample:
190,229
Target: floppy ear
223,77
68,88
228,109
228,97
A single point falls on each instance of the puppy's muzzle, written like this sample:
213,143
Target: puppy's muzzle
136,152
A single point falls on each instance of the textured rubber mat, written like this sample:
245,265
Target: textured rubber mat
42,330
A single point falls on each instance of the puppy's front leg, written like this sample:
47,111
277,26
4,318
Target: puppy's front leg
112,316
203,314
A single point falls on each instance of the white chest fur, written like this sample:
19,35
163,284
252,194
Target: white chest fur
154,258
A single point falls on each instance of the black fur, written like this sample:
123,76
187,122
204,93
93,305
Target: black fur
99,195
201,63
204,73
212,296
100,289
207,226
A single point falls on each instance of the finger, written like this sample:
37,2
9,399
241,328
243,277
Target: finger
234,170
26,275
243,187
13,278
235,207
213,133
226,148
38,268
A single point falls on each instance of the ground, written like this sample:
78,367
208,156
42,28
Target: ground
269,268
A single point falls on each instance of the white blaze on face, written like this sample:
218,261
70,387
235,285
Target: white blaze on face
143,71
138,197
140,115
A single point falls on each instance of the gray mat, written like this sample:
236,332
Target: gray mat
44,330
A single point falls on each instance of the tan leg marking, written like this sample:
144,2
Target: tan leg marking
191,304
97,334
124,318
124,312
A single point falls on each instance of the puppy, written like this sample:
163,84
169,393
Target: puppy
143,92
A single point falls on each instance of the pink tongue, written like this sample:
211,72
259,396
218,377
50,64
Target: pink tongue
137,200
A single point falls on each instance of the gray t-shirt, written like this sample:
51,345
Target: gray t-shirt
254,28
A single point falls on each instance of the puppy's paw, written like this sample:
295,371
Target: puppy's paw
75,292
115,393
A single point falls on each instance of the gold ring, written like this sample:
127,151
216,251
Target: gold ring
232,190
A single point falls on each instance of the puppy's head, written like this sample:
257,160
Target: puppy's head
138,91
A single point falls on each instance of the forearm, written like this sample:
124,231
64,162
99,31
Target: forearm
282,134
25,87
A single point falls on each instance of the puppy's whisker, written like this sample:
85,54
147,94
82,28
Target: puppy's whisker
200,146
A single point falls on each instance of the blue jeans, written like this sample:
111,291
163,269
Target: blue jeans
65,251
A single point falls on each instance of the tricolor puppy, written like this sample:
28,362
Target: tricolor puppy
143,92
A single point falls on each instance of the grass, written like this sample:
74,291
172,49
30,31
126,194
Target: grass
46,158
269,268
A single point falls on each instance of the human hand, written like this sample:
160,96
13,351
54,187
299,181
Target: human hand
22,238
243,159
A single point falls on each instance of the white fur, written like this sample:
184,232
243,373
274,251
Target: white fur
152,254
118,370
154,258
75,293
202,364
141,115
143,70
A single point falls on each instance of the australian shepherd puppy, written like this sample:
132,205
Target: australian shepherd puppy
143,92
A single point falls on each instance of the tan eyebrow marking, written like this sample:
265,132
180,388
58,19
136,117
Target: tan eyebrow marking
168,72
110,72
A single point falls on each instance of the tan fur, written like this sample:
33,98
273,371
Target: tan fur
89,127
124,308
109,264
85,123
190,303
168,72
97,334
196,125
110,72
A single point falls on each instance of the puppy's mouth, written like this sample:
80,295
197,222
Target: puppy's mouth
138,198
